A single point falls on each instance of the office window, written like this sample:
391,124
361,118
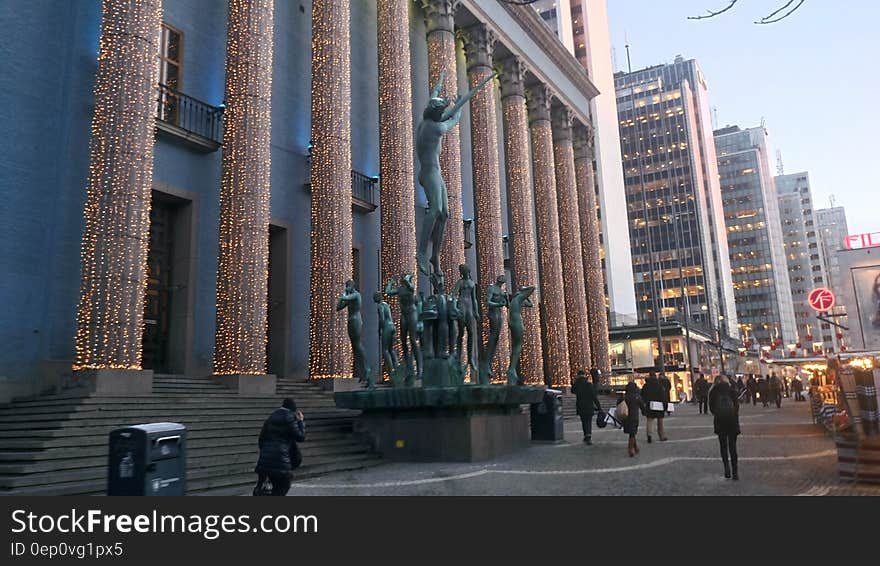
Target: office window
170,73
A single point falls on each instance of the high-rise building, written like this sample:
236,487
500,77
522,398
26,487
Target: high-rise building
805,258
582,26
754,239
832,234
676,219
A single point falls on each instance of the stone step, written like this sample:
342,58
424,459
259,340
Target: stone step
65,429
153,414
196,458
65,409
88,482
100,437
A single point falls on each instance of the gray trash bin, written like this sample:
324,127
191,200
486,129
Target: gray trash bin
147,459
547,418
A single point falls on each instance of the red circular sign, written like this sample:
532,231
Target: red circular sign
821,299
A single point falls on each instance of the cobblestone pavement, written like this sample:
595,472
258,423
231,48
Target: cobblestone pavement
781,453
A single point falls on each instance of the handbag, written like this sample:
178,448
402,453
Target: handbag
622,412
263,487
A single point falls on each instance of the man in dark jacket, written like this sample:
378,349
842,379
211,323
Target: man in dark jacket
666,385
279,453
764,390
653,391
587,403
701,391
752,386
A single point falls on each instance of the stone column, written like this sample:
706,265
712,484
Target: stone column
597,315
570,243
479,41
520,202
243,263
397,195
330,356
440,24
556,366
115,240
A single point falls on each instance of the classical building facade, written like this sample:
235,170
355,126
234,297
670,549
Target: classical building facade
253,156
761,285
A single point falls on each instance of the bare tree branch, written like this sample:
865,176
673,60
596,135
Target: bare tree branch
768,19
712,14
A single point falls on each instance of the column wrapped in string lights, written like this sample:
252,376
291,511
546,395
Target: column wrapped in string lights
329,354
243,262
440,26
397,197
570,243
593,276
556,367
115,240
478,43
520,202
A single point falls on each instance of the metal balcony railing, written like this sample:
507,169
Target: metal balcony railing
468,233
189,118
364,191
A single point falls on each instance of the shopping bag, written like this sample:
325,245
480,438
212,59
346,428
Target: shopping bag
622,412
611,419
656,406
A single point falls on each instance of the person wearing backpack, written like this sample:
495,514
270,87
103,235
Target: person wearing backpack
724,405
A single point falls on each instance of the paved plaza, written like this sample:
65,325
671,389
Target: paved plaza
781,453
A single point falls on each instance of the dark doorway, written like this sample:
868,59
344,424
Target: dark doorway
276,328
157,303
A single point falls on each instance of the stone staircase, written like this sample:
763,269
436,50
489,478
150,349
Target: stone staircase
57,445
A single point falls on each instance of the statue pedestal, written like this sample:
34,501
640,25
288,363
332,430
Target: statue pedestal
443,424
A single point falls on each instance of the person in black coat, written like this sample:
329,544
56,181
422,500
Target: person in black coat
798,387
587,403
725,406
653,390
764,390
752,386
666,386
279,453
701,391
634,404
776,390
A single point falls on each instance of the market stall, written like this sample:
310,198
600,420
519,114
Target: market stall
855,422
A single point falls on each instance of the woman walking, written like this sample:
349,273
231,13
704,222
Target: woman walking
633,399
725,407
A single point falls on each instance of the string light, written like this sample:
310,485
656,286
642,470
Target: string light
570,244
553,296
524,264
478,43
243,261
331,262
397,197
440,26
110,315
593,274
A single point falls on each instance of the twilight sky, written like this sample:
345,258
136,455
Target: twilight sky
812,77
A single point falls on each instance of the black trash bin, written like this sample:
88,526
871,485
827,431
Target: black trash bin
547,418
147,459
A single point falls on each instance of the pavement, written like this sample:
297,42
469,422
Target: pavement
781,452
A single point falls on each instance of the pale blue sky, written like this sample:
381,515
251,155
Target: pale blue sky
813,78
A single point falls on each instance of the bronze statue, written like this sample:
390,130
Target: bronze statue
351,299
466,296
496,299
386,335
437,119
515,302
409,320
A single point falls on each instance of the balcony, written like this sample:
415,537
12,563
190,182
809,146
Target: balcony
468,233
364,190
196,123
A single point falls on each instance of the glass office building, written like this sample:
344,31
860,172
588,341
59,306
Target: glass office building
754,240
673,197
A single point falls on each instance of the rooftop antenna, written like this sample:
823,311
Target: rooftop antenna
831,199
629,67
714,118
780,169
